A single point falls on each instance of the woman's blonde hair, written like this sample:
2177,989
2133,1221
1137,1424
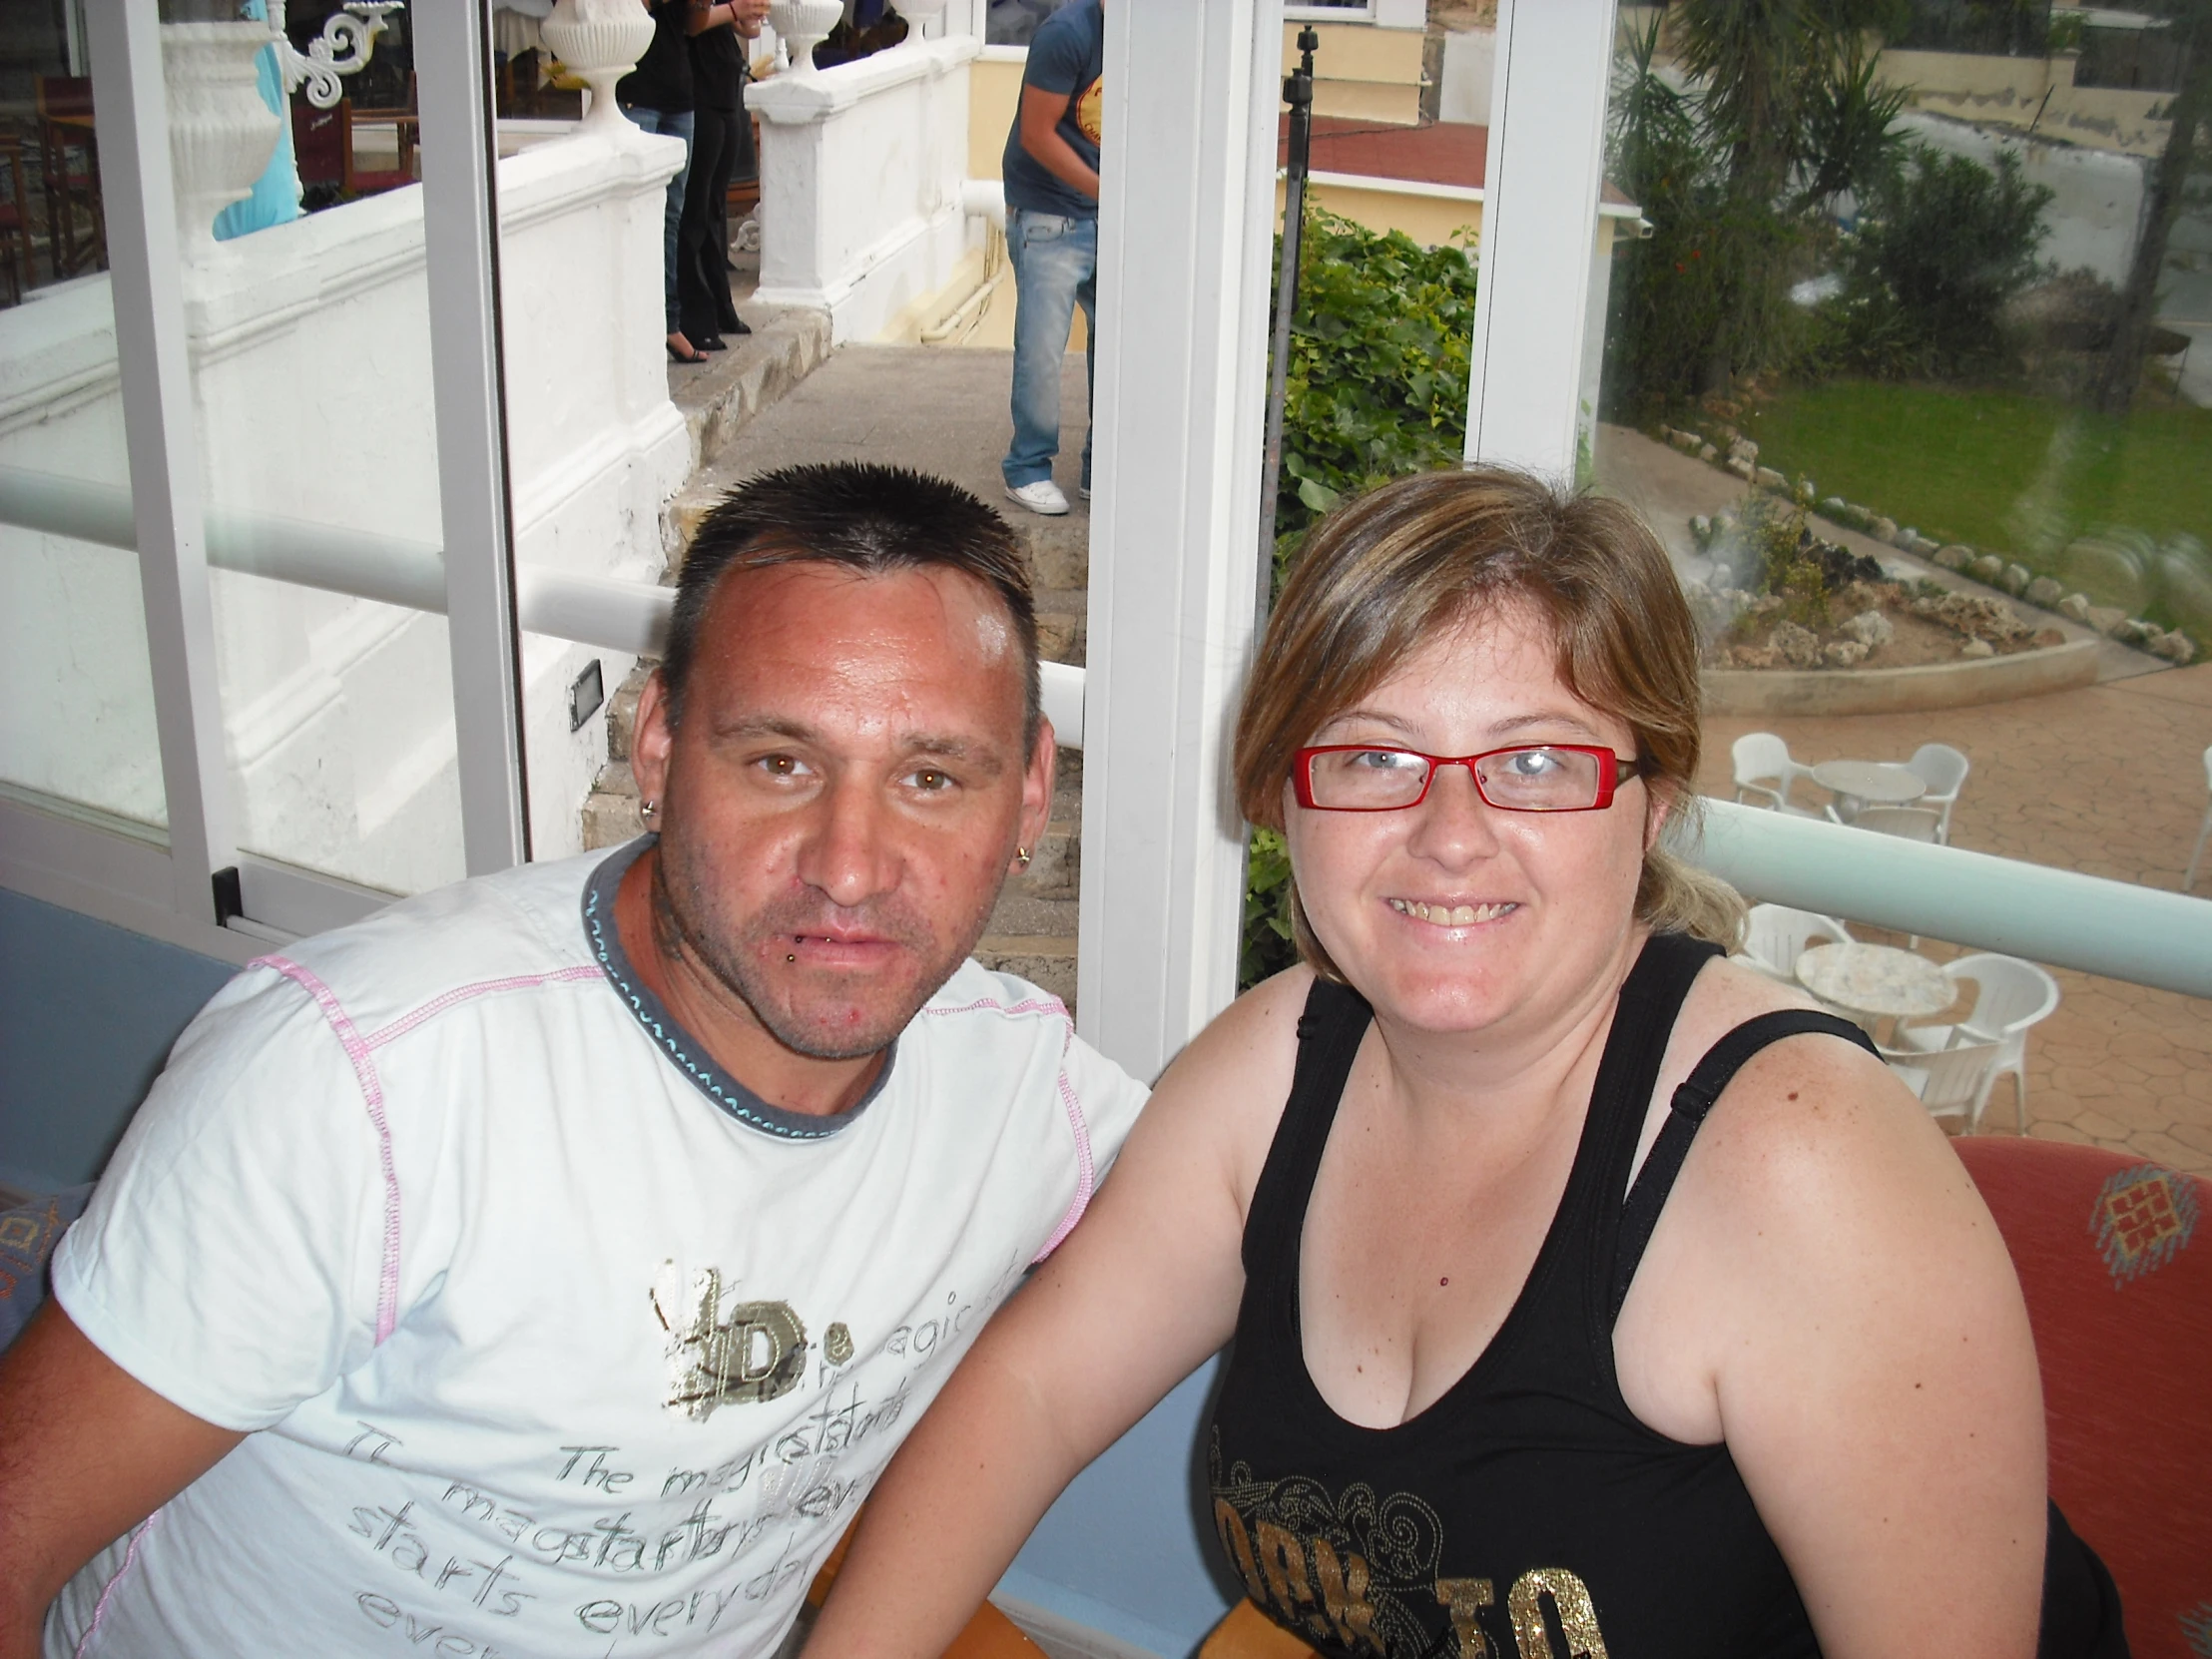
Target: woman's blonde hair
1389,571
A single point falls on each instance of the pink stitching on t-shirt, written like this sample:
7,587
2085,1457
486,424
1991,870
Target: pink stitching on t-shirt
483,987
107,1590
372,1095
1085,1168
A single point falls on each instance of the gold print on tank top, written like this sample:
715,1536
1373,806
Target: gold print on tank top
1276,1574
1463,1597
1577,1614
1091,112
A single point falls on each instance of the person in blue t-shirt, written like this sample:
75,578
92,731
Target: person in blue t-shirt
1051,173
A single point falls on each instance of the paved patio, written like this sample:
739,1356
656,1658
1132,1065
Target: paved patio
2108,781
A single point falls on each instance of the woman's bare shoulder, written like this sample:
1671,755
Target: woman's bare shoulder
1227,1086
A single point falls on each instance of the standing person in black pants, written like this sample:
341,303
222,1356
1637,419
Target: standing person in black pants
657,95
719,32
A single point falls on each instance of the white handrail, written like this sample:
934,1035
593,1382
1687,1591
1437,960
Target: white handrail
2116,929
2142,934
591,610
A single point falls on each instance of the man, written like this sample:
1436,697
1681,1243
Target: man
1051,173
548,1264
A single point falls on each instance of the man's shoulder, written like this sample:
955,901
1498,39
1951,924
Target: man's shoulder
979,1005
1070,37
516,929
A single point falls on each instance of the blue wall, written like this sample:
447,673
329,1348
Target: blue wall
1129,1547
88,1013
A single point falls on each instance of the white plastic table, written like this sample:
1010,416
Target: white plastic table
1877,980
1881,783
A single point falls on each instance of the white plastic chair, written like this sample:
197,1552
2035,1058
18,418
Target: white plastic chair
2203,830
1912,824
1943,769
1761,755
1955,1080
2009,997
1775,936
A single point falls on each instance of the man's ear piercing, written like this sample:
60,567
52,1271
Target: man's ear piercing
1021,857
648,808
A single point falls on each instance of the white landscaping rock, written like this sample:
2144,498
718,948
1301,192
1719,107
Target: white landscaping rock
1883,529
1870,628
1955,556
2075,605
1977,648
2044,592
1845,654
2016,578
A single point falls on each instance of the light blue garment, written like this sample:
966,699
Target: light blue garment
275,198
1056,260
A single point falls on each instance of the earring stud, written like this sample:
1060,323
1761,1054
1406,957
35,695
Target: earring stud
648,808
1021,857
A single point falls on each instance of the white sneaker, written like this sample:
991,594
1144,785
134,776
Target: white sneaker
1043,496
1086,492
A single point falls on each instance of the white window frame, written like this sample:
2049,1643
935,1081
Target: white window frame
163,885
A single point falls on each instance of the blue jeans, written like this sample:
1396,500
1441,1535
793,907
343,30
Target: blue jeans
677,123
1055,262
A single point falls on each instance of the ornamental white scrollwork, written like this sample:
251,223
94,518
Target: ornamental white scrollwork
349,38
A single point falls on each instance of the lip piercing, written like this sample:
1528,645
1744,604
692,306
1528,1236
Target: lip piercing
793,958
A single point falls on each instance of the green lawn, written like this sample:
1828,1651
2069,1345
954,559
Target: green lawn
2009,473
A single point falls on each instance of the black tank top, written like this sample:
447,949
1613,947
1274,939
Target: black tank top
1527,1513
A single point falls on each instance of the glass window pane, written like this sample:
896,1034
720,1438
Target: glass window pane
1904,360
305,303
76,696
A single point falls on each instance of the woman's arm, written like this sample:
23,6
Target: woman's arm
1055,1379
1867,1353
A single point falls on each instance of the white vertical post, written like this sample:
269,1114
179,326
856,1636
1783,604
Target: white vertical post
146,284
460,232
1186,222
1539,213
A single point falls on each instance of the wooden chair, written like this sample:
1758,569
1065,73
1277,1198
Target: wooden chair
15,222
406,124
322,150
69,162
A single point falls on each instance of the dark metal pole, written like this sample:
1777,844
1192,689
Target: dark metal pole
1298,92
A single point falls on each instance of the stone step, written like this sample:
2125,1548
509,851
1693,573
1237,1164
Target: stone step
720,397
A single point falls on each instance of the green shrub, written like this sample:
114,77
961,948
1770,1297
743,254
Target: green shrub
1377,382
1942,244
1376,388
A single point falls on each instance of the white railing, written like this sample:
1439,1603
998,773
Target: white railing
590,609
2116,929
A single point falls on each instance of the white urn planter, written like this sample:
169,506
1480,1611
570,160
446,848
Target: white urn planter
220,134
599,41
801,24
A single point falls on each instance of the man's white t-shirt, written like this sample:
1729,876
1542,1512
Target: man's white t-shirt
558,1341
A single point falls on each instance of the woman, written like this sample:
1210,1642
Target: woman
1522,1344
719,29
657,96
